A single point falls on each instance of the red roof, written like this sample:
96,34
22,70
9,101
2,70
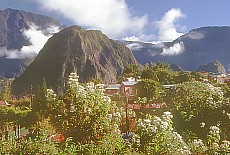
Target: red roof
57,138
148,106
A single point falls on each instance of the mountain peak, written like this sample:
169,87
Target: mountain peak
12,22
88,52
214,67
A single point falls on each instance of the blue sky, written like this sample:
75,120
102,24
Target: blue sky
144,20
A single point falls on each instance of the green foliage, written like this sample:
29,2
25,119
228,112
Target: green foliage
149,88
91,122
131,70
157,136
39,104
193,98
5,91
148,73
83,113
183,77
163,74
193,103
11,115
225,88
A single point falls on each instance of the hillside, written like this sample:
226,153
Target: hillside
89,52
12,24
199,46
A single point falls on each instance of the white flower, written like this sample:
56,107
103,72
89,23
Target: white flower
147,121
202,124
225,146
164,125
228,114
214,130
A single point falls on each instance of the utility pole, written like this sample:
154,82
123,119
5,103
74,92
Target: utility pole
127,115
31,96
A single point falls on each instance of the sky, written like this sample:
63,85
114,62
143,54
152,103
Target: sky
144,20
152,21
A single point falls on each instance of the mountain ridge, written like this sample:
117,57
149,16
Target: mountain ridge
201,46
88,52
12,22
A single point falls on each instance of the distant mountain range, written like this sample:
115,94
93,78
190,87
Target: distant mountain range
12,24
199,46
94,55
88,52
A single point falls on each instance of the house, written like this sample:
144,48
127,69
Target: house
129,87
112,89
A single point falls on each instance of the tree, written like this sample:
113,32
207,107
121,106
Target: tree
39,103
193,103
150,89
164,73
183,76
148,73
131,70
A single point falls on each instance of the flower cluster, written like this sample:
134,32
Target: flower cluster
214,130
50,95
73,79
225,146
198,146
155,132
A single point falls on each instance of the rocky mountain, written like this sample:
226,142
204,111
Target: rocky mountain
88,52
214,67
199,46
12,24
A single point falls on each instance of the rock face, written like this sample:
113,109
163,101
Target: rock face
12,22
197,47
90,53
214,67
176,68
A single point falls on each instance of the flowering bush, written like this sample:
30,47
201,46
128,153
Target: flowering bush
196,103
157,136
85,112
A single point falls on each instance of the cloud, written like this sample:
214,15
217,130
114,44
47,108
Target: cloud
112,17
131,38
176,49
195,35
147,38
37,39
167,27
134,46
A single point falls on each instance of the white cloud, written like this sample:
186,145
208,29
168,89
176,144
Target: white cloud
37,39
176,49
134,46
195,35
112,17
131,38
167,27
146,38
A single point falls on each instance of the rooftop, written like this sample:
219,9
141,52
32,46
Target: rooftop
113,86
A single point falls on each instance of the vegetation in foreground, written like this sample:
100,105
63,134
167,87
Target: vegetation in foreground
196,121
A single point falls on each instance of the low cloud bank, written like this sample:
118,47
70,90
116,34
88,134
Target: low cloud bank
176,49
37,39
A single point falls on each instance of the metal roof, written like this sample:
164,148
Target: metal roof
113,86
129,83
